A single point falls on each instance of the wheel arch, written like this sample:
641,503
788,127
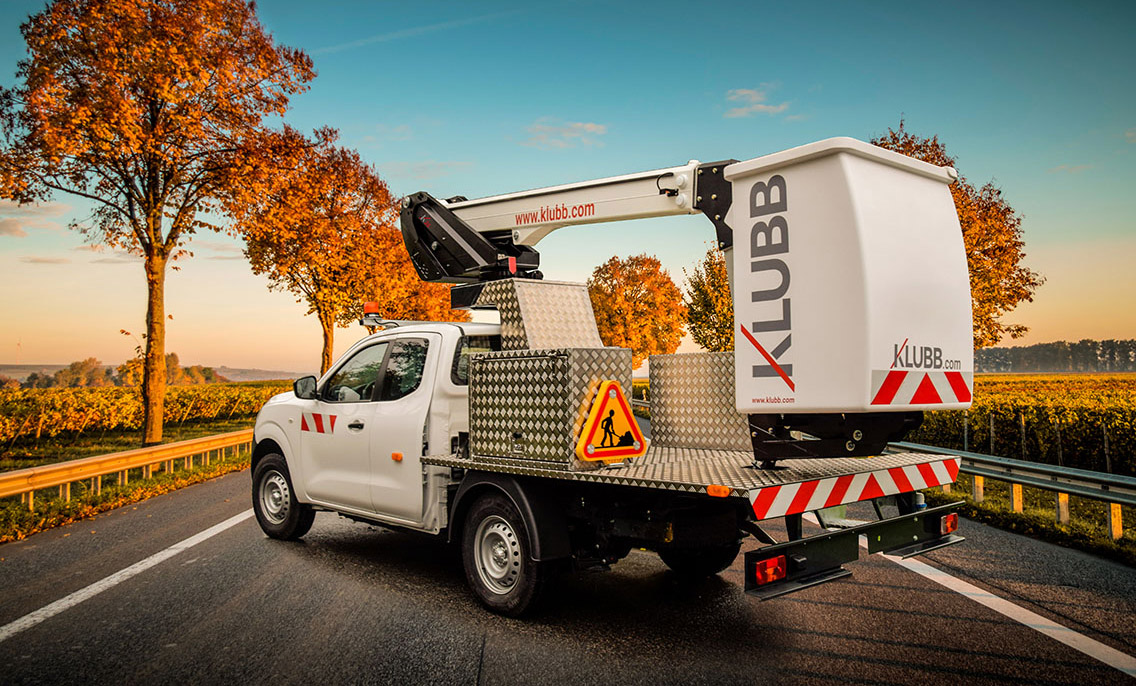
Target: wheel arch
265,446
545,523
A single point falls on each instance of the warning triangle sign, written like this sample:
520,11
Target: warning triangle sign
611,433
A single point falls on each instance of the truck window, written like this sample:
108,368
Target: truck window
470,345
404,368
355,380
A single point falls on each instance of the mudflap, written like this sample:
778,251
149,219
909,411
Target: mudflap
783,568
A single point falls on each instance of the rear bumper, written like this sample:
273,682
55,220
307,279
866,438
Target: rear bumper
818,559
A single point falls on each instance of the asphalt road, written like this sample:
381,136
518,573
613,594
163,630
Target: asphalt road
360,604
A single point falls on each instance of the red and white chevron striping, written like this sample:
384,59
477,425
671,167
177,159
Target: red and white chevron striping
902,387
317,423
778,501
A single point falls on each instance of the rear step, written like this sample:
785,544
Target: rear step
775,570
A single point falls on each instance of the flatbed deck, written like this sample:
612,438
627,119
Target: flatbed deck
792,487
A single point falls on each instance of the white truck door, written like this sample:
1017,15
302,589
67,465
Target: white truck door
335,434
397,426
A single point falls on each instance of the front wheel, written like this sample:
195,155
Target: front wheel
274,502
497,560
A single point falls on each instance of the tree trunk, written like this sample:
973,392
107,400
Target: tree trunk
154,365
327,323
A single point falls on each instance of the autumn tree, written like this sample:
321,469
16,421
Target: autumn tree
88,372
325,232
709,307
992,234
637,306
145,108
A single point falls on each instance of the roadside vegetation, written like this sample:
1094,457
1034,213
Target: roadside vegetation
34,420
51,510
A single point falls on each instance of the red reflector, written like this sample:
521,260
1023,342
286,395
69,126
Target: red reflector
949,523
770,570
512,265
370,308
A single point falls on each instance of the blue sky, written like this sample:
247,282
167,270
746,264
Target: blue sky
484,98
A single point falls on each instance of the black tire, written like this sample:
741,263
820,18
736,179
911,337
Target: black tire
278,512
496,555
699,563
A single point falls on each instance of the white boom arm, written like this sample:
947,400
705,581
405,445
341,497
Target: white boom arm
532,215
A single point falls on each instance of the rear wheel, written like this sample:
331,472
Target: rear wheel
698,563
274,502
498,563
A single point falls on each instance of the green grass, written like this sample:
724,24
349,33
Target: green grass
1085,531
32,453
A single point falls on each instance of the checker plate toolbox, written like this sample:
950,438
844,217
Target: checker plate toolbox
542,413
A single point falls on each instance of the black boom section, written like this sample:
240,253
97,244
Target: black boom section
855,434
444,248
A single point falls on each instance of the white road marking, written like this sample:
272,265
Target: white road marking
1079,642
48,611
1093,648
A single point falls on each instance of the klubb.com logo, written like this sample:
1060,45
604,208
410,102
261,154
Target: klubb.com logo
908,356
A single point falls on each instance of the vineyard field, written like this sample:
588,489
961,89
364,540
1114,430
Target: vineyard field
30,414
1087,421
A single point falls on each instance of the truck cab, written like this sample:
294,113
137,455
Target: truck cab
354,439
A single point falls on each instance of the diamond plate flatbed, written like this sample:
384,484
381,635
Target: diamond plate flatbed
802,484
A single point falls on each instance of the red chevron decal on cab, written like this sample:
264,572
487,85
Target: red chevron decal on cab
317,423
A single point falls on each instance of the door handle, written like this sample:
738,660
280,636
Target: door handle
355,425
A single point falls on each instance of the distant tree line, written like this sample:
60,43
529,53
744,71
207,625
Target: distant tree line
1060,356
92,372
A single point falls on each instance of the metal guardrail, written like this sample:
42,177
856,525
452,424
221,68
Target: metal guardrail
25,482
1112,489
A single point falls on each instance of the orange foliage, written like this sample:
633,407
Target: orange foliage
324,230
637,306
992,234
145,108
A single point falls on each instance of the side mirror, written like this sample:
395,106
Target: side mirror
305,388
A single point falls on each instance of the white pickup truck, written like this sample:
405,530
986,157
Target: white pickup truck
516,440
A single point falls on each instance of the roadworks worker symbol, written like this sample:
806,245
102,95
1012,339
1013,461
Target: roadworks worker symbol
611,433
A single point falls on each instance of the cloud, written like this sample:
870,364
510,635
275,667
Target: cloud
1070,169
796,117
15,219
402,132
425,169
118,257
548,132
406,33
217,246
12,227
753,102
1130,135
45,260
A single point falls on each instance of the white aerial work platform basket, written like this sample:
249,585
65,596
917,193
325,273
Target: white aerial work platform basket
851,290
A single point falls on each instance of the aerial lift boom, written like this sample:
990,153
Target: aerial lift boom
846,332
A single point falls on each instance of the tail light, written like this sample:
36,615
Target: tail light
768,571
949,523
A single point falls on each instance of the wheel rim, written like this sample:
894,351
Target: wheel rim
498,555
275,497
